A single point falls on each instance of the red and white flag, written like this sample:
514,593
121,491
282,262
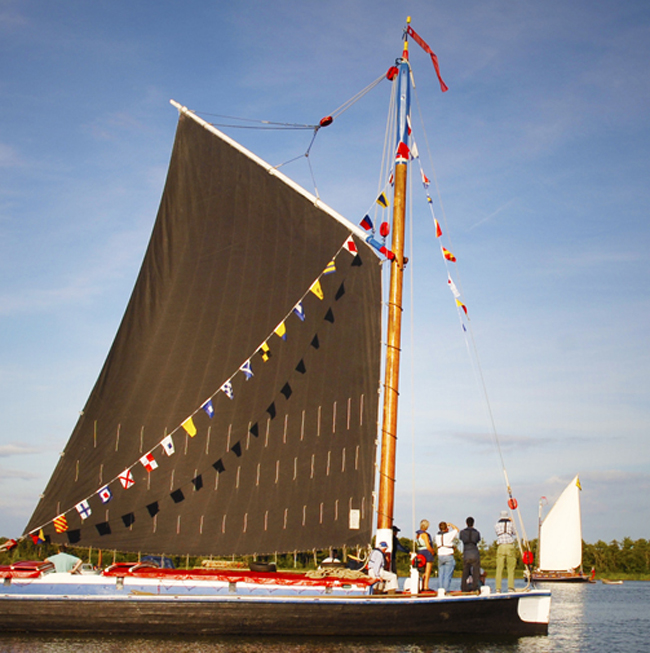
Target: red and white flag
351,246
452,287
126,479
403,152
149,462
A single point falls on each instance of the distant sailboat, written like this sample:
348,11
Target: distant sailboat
237,414
560,539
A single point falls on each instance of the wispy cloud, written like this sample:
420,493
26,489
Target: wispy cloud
16,474
503,207
9,158
567,260
7,450
106,127
10,18
521,442
117,254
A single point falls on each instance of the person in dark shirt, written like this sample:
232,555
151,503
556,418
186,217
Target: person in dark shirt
470,538
397,546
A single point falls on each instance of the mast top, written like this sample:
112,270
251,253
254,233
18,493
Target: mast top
405,53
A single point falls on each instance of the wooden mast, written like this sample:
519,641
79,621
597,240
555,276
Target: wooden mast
386,499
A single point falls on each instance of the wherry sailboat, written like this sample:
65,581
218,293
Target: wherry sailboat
236,414
560,539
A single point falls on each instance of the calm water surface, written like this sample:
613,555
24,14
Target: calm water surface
591,618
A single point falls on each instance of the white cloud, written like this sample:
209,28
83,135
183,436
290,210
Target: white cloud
7,450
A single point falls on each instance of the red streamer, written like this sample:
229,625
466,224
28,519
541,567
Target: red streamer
418,39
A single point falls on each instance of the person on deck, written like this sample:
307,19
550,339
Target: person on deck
64,562
424,545
445,544
482,578
397,546
331,560
377,568
506,552
470,538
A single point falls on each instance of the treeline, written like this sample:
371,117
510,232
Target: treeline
630,557
627,556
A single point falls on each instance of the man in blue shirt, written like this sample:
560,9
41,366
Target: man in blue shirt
377,568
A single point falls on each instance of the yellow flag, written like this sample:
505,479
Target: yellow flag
578,483
317,290
281,331
188,425
61,524
265,351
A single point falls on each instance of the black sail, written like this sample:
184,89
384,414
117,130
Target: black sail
287,463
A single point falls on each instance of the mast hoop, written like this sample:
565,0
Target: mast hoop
392,435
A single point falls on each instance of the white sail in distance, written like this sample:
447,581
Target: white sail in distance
560,537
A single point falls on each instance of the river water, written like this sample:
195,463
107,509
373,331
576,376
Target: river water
589,618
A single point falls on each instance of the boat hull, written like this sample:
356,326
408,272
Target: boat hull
518,614
560,577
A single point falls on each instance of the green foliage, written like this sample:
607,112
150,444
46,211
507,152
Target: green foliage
626,557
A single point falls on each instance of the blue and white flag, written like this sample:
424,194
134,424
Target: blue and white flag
168,445
299,311
105,494
83,508
247,369
226,388
208,408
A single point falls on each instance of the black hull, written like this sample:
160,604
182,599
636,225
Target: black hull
368,616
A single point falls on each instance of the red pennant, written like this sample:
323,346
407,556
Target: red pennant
418,39
403,151
448,255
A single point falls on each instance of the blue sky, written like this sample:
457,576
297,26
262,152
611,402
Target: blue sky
541,153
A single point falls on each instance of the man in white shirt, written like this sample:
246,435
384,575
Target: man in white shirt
506,552
445,542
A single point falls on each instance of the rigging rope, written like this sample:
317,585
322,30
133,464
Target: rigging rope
346,105
271,125
259,124
522,540
414,524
